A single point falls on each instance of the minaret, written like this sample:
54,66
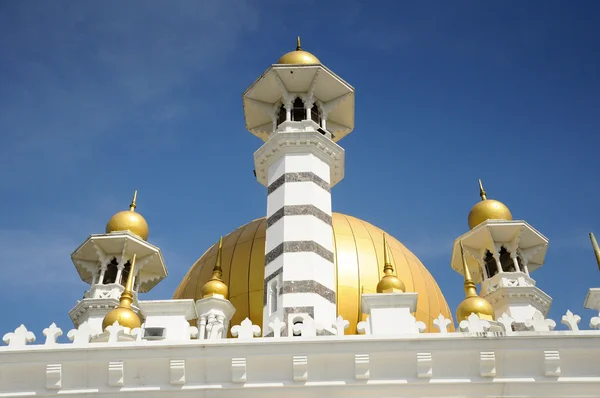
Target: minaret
503,253
472,304
105,261
214,309
301,110
123,314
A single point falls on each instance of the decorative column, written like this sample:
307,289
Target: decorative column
299,164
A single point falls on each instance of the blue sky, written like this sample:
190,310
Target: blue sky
99,99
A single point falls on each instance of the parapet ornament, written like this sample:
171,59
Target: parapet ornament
19,338
246,330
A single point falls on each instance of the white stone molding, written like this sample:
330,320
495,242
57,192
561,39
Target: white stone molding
301,324
390,314
115,373
54,376
507,322
52,333
595,322
442,323
571,321
362,367
238,370
276,327
177,371
82,335
424,365
307,142
214,315
474,324
300,366
487,364
246,330
552,363
138,333
341,325
19,338
539,323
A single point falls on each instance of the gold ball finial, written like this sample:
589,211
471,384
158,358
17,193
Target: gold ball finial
129,220
123,314
487,209
215,286
473,303
389,283
299,57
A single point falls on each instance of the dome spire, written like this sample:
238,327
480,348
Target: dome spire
487,209
390,283
596,248
298,46
482,192
133,205
129,220
299,56
215,286
123,314
473,303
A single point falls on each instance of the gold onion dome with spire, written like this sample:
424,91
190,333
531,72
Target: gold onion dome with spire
487,209
390,283
129,220
123,314
299,57
215,286
473,303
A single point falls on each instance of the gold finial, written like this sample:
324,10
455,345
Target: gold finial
299,56
129,220
596,248
298,46
472,304
482,191
215,286
123,314
390,283
133,205
487,209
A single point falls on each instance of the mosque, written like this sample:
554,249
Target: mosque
305,301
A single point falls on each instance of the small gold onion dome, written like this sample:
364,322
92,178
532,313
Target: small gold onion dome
129,220
473,303
299,57
215,286
390,283
123,314
487,209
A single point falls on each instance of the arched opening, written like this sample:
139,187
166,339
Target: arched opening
298,111
315,114
281,115
125,273
110,276
507,263
273,297
490,264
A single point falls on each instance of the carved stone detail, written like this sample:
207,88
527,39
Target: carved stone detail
115,374
487,364
552,363
362,369
177,371
300,366
424,365
238,370
54,376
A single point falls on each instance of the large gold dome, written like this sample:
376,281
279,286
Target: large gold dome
359,263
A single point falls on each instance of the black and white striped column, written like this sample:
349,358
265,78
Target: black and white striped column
299,258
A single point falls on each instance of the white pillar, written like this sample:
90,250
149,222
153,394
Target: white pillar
299,252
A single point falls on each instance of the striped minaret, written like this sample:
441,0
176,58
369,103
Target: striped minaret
300,108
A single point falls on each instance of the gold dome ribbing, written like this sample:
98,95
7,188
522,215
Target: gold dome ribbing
358,257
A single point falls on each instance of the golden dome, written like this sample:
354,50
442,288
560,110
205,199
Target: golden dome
299,57
215,286
390,283
473,303
123,314
129,220
359,261
487,209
